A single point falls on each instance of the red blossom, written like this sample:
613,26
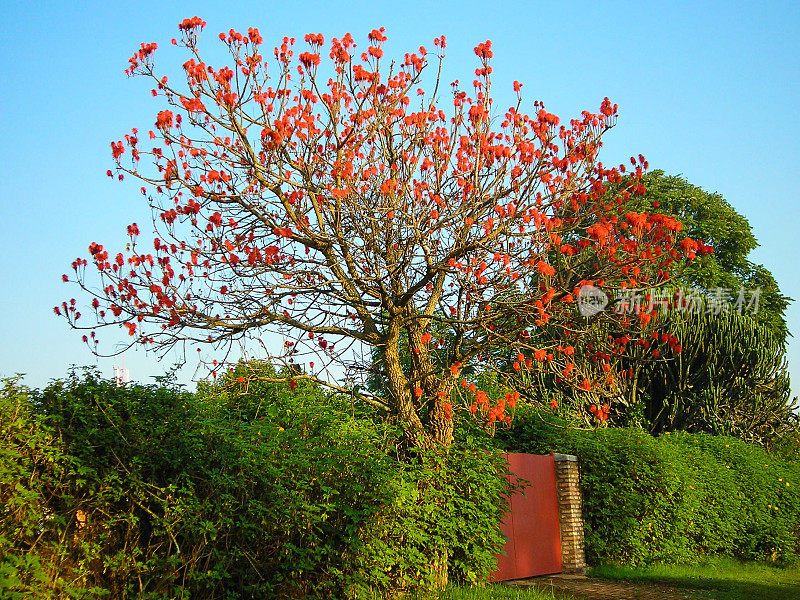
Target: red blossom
309,59
448,410
255,36
315,39
191,23
164,119
377,35
484,50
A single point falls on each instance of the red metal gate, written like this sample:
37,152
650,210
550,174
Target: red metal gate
534,538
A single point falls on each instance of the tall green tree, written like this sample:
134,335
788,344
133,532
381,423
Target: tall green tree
708,216
731,378
716,367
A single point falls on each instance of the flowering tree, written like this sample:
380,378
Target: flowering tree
342,205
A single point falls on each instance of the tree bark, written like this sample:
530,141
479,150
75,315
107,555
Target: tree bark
439,569
436,434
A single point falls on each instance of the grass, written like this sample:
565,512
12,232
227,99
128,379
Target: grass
720,579
489,591
500,592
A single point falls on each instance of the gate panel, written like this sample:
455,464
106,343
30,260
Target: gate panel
532,528
507,565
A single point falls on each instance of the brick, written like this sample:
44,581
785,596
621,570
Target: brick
573,554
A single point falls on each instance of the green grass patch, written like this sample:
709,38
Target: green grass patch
721,579
501,592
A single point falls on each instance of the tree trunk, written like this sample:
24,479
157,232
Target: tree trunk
439,569
436,435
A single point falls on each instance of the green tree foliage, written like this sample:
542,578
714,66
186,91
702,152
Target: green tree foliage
730,375
731,378
708,216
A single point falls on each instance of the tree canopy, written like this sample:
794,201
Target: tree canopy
728,315
708,216
731,379
341,202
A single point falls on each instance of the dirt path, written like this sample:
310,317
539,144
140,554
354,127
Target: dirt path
588,588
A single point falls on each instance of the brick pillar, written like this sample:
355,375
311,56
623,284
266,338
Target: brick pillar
570,512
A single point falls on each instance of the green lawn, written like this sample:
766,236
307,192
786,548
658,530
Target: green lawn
722,579
498,591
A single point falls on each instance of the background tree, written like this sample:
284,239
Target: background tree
709,217
731,377
341,206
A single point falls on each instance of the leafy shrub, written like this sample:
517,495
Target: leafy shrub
94,474
37,511
244,490
416,507
678,497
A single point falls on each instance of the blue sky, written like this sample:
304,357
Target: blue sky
708,90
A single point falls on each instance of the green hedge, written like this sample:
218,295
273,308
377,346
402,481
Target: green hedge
678,497
240,491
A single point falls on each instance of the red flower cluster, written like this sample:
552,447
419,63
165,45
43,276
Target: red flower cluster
309,59
607,109
191,23
254,35
484,50
600,413
377,35
339,49
315,39
192,104
164,119
144,52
